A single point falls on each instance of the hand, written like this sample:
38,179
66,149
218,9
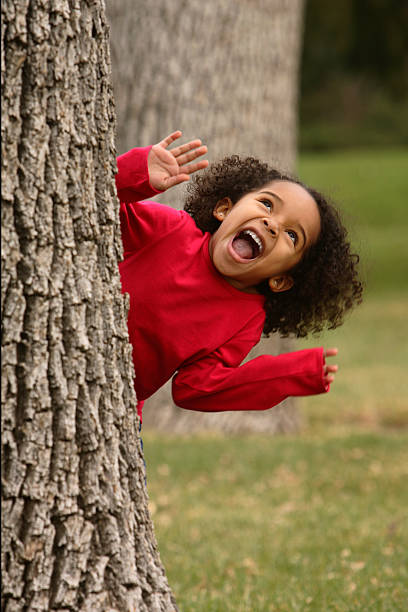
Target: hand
170,167
329,370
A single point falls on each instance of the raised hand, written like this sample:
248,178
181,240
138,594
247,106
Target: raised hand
329,370
169,167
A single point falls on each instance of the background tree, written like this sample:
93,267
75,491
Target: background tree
76,533
226,72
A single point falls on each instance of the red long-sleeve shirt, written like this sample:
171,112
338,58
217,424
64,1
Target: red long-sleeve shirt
186,319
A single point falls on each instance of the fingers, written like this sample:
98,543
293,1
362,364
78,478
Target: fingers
328,373
184,148
170,138
190,168
185,173
175,163
176,180
190,155
188,151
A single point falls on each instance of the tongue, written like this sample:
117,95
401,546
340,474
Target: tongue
243,248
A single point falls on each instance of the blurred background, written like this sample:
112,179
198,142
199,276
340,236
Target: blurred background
315,519
354,75
353,143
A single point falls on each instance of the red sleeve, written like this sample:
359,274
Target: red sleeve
215,383
132,178
141,222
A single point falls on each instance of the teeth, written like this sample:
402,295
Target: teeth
255,238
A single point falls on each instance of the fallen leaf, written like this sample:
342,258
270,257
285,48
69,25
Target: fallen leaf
356,566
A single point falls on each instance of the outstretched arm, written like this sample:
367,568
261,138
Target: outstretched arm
217,382
169,167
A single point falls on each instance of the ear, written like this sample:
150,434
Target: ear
222,208
277,284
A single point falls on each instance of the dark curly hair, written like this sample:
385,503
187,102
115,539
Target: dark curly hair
326,283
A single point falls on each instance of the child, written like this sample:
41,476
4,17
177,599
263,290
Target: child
254,250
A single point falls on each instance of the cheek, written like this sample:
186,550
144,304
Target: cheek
286,247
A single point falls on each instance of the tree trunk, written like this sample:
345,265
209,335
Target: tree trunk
226,72
76,530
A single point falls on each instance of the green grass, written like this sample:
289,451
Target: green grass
316,521
286,523
371,387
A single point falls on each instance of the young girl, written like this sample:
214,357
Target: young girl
254,251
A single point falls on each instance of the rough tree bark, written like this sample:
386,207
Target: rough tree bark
226,72
76,532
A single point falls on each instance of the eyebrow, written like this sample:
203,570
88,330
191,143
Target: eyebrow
275,195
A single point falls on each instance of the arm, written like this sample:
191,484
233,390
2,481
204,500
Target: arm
132,178
215,384
145,172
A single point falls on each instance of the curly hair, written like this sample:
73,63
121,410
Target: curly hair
326,283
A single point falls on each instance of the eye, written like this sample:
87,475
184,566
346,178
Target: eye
267,204
293,236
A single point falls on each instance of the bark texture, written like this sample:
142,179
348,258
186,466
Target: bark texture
226,72
76,532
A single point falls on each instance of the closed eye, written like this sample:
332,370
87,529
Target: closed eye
293,236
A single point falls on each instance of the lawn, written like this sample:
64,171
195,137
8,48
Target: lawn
372,387
308,522
315,521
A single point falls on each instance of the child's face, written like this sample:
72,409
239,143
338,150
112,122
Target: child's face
264,235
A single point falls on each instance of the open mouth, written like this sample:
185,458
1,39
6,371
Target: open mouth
247,244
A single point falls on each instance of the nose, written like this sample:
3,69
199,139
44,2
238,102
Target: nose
271,226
